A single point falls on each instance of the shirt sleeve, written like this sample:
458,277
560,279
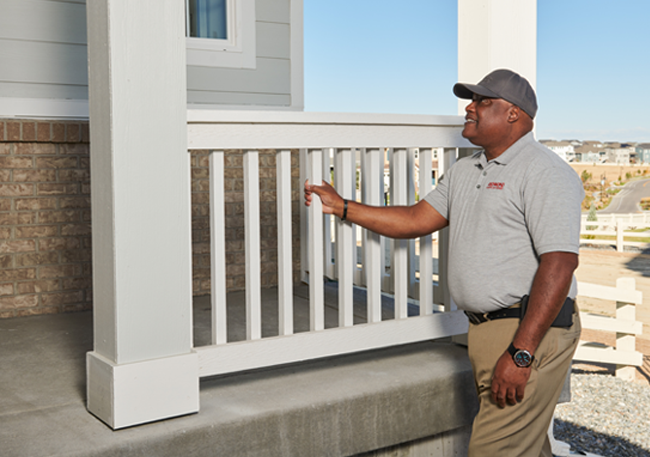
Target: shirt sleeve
439,197
553,199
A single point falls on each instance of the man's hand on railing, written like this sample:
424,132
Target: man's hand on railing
332,201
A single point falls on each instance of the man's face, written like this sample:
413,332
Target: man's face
486,120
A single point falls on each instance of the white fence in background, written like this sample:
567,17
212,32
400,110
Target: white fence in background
641,219
624,355
323,139
617,233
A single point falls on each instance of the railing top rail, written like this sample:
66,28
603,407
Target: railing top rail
204,116
208,129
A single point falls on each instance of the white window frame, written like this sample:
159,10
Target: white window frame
238,50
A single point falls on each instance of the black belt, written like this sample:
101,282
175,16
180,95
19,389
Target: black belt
563,319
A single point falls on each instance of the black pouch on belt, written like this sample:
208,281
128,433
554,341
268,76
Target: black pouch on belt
564,317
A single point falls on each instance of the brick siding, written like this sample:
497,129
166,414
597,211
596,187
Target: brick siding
45,232
234,208
45,244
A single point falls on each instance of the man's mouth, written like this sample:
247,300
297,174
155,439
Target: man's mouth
470,120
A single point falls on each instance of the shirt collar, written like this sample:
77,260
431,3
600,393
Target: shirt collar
509,153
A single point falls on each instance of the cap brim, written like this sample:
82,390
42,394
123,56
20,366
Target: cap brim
467,91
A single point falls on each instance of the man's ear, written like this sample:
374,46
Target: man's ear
514,113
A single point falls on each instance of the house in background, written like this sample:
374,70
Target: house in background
564,149
618,156
104,208
590,152
643,152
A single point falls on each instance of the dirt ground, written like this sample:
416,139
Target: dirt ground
609,172
605,267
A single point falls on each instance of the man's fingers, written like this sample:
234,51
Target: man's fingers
498,396
520,394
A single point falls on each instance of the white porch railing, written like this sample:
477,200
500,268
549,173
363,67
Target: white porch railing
616,230
624,355
321,137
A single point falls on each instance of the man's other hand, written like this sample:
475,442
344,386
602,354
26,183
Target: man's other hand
509,381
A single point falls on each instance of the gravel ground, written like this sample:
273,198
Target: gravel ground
606,416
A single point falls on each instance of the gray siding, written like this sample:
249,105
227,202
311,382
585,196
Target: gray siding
43,49
269,83
44,55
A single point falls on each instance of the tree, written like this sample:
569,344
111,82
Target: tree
592,217
585,176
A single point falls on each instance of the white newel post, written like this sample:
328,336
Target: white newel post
626,341
142,368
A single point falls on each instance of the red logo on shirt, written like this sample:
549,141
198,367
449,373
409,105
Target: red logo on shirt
495,185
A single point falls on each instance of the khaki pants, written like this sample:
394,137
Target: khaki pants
518,430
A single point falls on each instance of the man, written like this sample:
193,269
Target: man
513,211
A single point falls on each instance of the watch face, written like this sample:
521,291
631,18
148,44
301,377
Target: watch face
522,358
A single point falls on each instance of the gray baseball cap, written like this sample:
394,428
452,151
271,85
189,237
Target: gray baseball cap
505,84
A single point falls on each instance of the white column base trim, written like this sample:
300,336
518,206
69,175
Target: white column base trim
136,393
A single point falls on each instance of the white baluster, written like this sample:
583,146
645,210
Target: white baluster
327,220
316,290
410,184
373,187
388,281
252,246
344,175
218,248
426,261
399,262
304,219
444,163
285,263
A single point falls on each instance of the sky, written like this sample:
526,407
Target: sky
593,62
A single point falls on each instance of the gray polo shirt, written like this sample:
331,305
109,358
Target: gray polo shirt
503,215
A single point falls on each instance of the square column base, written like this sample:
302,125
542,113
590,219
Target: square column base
141,392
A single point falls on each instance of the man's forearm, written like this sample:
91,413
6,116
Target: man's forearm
550,288
392,221
396,221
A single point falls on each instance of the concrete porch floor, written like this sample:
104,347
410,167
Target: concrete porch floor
339,406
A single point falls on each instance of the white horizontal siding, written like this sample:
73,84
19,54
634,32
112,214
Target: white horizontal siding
43,20
273,11
42,62
273,40
272,76
237,98
44,90
43,52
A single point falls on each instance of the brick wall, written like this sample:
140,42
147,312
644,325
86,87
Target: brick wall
45,246
45,233
234,207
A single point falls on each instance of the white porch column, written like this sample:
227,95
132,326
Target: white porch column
142,368
496,34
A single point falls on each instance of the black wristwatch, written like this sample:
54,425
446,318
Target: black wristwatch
521,357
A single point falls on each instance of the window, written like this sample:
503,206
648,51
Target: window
207,19
220,33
